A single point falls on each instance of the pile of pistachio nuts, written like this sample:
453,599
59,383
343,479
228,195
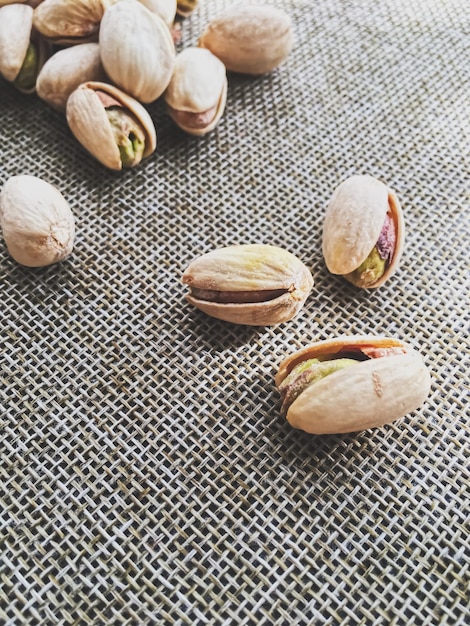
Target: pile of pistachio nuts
100,62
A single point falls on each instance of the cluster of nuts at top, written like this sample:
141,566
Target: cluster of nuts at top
339,385
117,55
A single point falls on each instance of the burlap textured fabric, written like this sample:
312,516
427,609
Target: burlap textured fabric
146,475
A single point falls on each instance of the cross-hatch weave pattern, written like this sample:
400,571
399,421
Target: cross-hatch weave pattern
146,474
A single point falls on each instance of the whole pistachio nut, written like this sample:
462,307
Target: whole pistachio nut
112,126
22,50
70,21
363,231
197,92
66,70
251,284
166,9
37,224
349,384
251,39
137,50
184,8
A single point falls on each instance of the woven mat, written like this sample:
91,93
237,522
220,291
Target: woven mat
146,474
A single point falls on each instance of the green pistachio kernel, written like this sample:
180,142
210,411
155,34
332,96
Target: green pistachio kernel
307,373
26,79
128,134
369,271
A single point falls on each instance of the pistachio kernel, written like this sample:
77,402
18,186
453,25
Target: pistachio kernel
127,132
27,75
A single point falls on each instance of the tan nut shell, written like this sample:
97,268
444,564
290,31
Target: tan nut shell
250,267
37,223
16,21
137,50
70,21
249,39
366,395
353,221
66,70
88,121
198,84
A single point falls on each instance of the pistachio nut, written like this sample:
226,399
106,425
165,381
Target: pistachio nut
251,284
197,92
137,50
252,39
37,224
70,21
351,383
65,70
112,126
22,50
166,9
184,8
363,231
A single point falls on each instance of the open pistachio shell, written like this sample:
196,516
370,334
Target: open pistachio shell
354,220
197,92
251,284
88,120
66,70
387,380
252,39
23,51
137,50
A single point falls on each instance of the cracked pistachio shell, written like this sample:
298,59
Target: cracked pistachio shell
251,284
37,224
367,394
166,9
70,21
137,50
250,39
16,34
197,92
353,221
65,70
88,121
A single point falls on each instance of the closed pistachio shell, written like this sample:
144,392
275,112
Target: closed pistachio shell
251,284
66,70
354,221
89,122
166,9
37,224
137,50
383,380
70,21
197,92
251,39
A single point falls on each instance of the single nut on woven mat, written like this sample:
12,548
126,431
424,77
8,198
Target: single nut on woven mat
250,39
22,51
166,9
251,284
137,50
70,21
116,129
363,232
37,224
66,70
197,92
351,383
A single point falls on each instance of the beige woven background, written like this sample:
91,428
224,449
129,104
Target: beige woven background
146,475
